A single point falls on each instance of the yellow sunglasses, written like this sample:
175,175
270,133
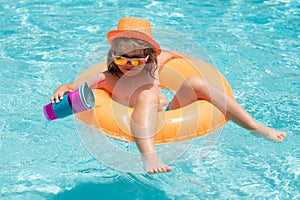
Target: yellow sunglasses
136,62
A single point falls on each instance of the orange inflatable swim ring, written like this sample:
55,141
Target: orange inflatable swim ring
197,119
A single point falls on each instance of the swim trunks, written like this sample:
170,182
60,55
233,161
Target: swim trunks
168,107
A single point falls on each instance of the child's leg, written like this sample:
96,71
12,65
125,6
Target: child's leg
196,88
143,128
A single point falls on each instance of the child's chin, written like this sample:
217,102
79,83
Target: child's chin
132,72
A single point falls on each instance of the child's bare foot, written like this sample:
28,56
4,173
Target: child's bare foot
153,165
268,133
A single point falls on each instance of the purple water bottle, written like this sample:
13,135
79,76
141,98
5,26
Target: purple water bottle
76,101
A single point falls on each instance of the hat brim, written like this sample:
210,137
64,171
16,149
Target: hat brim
133,34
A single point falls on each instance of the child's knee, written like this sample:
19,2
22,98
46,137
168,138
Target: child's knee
148,96
196,82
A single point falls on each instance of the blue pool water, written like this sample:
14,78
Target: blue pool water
255,44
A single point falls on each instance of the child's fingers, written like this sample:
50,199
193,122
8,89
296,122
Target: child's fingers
52,99
58,96
61,95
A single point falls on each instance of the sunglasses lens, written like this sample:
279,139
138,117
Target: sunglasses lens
120,61
137,62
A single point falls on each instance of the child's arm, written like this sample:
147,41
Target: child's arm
91,79
165,56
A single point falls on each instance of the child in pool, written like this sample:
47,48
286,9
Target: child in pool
132,80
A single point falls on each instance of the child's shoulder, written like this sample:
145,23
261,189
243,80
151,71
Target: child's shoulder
110,77
167,55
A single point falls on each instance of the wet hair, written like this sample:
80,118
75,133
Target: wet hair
123,45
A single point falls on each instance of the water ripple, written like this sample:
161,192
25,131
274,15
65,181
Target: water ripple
45,43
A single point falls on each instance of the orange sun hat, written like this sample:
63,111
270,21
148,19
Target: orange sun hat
130,27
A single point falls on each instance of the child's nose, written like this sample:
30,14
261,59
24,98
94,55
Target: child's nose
129,63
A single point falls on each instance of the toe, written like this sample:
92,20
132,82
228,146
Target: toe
165,169
160,170
155,170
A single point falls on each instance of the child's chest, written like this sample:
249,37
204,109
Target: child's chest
126,91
